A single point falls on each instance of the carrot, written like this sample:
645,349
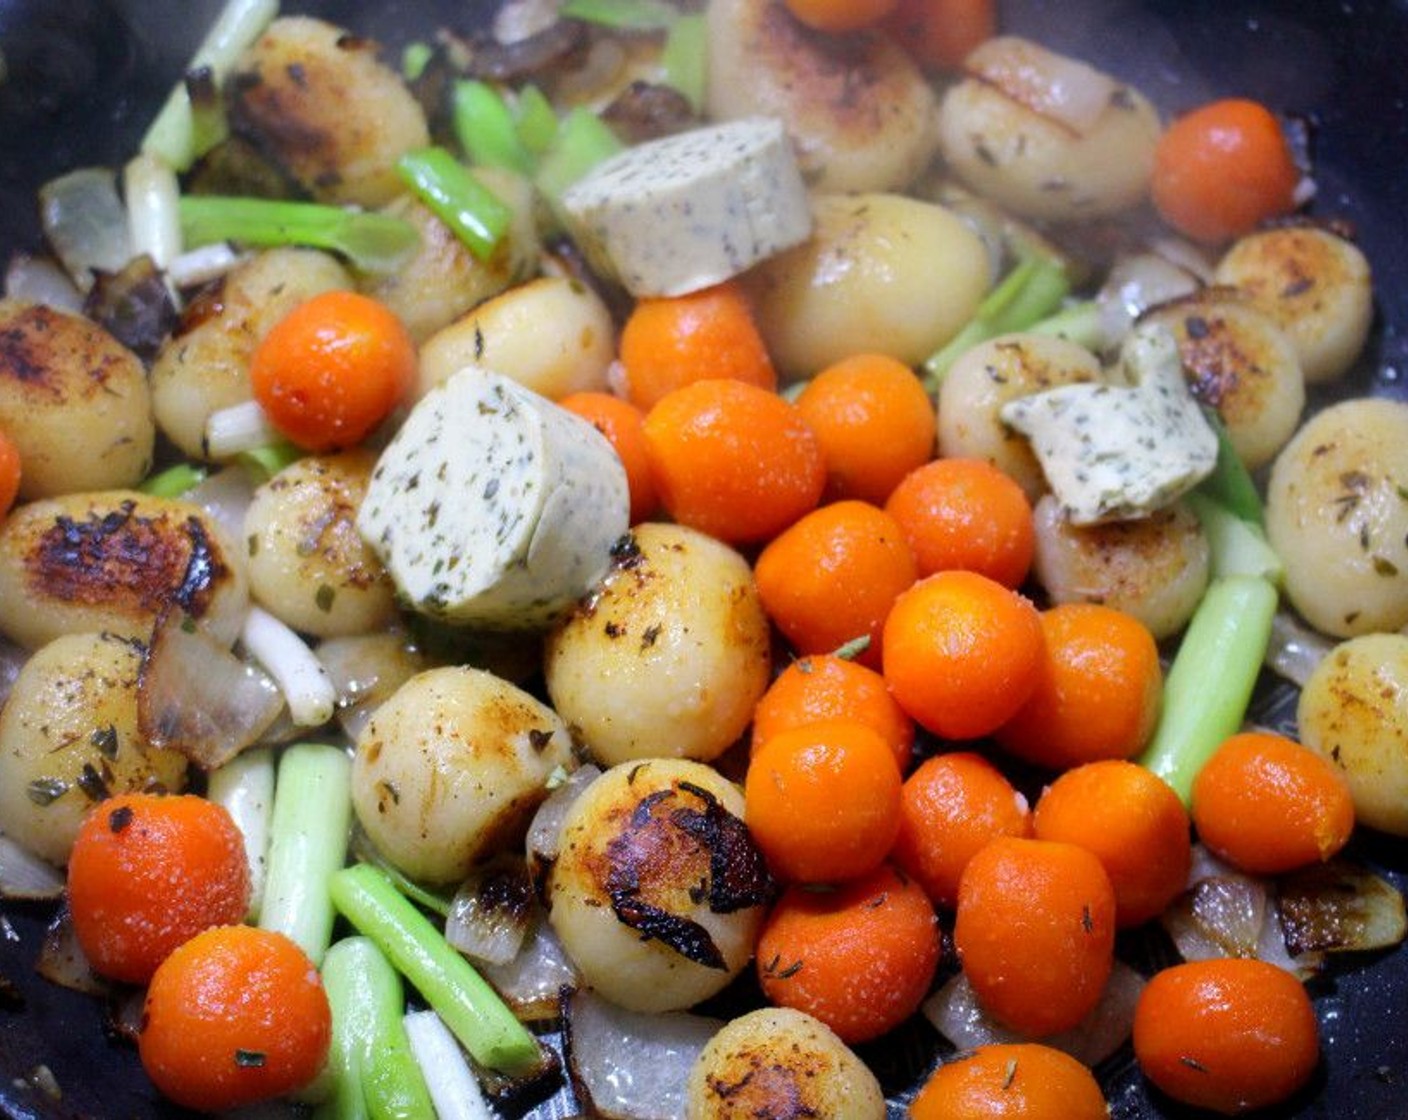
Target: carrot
839,16
950,807
733,460
234,1016
961,653
832,577
823,801
1035,932
859,958
670,342
146,873
965,513
10,469
1231,1035
1267,804
1222,169
623,424
1023,1080
332,369
825,686
1098,692
1130,820
875,422
941,33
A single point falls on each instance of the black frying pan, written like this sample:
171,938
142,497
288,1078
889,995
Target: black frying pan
88,74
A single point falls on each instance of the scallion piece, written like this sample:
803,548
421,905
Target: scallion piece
1079,323
415,57
268,459
448,982
536,120
583,141
174,481
307,843
685,58
478,217
1239,547
1230,482
452,1085
245,787
152,196
623,15
486,129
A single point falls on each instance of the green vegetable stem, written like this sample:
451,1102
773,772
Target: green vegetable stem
477,215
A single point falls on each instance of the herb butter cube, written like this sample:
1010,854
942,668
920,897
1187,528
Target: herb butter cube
684,212
492,507
1116,452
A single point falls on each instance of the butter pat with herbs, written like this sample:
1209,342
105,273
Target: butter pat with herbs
1114,452
681,213
492,507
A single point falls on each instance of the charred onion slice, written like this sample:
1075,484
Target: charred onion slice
63,962
492,910
534,981
1340,907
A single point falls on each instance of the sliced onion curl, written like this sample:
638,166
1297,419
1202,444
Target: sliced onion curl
956,1013
196,697
1055,86
630,1065
1338,907
63,962
365,670
23,875
491,912
199,266
1295,650
38,279
533,982
85,223
1135,284
225,496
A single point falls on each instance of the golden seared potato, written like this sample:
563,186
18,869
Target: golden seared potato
553,334
1155,568
858,110
658,891
74,401
1238,361
1337,514
308,566
204,366
320,103
443,279
667,657
69,738
1000,131
1354,711
779,1062
881,273
1315,285
989,375
113,561
450,768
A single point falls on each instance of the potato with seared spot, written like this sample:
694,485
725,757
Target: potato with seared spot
678,633
450,768
204,366
778,1062
69,738
318,101
658,890
113,561
308,565
74,401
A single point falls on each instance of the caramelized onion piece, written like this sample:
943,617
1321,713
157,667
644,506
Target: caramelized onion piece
1340,907
23,875
63,962
533,983
491,912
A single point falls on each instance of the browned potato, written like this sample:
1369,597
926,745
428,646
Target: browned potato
113,561
74,400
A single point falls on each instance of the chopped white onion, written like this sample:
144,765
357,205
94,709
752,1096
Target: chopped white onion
517,20
1135,284
534,980
245,787
238,428
491,912
1295,649
628,1065
85,223
225,496
24,875
1058,87
366,669
453,1089
306,686
546,827
153,209
956,1013
63,962
37,279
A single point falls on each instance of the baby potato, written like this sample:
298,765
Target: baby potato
677,631
1041,167
1314,284
443,279
859,111
113,561
775,1061
69,738
74,400
1337,514
204,366
989,375
553,334
1238,361
880,273
308,565
318,102
1155,568
1354,711
658,891
450,768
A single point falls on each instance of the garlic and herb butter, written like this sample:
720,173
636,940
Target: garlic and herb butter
1119,451
687,211
493,507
